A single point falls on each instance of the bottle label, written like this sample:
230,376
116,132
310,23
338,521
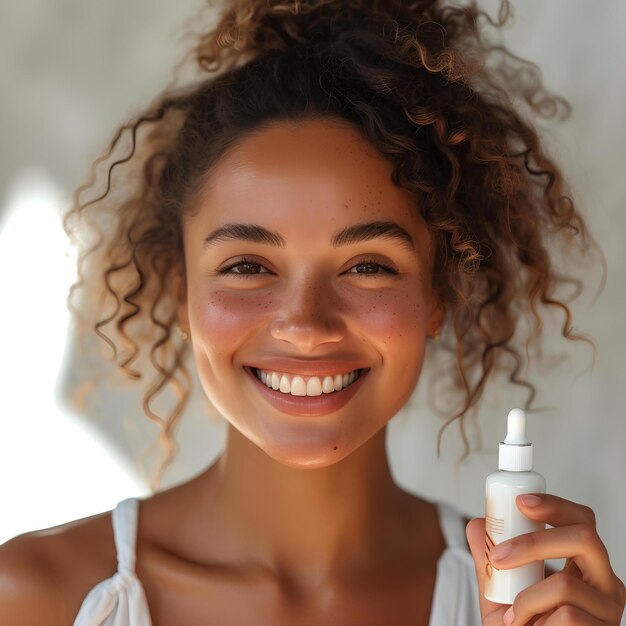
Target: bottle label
503,520
494,525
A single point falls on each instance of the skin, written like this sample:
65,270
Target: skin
307,499
300,515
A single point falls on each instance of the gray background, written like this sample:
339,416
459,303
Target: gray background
72,70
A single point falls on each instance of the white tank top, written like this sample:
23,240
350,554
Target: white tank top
121,601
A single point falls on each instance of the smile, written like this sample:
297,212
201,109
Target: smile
296,385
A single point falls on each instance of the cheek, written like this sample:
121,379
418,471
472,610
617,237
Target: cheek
395,322
224,318
391,316
392,319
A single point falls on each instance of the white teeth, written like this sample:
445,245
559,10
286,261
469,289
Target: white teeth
314,386
298,386
328,386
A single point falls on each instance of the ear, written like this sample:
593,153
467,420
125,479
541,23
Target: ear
437,313
179,284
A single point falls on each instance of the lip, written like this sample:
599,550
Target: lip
311,368
308,406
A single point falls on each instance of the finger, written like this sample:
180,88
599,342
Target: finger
491,612
572,616
563,589
579,543
543,619
556,511
560,512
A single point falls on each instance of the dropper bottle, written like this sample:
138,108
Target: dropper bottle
503,520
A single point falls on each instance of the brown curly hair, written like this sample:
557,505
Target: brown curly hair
449,108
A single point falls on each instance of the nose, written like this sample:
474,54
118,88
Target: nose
309,317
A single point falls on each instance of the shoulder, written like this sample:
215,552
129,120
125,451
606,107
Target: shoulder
45,574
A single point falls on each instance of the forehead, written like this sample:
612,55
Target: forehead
327,154
301,176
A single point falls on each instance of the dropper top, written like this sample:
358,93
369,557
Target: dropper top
516,428
516,452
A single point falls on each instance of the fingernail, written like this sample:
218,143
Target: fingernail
500,552
529,500
509,616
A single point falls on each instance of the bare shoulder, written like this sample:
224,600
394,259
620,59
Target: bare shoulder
45,574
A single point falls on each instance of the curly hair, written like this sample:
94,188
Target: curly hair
450,109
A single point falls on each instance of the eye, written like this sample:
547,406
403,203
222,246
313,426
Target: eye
372,264
249,267
243,262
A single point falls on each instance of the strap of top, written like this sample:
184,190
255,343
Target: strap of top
452,526
124,517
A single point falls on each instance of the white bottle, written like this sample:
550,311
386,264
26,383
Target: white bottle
503,519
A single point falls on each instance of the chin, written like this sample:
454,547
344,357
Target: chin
307,454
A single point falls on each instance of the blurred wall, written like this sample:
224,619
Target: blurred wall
72,70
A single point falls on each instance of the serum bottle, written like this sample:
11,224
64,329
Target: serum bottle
503,520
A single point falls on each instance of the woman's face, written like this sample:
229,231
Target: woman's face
305,299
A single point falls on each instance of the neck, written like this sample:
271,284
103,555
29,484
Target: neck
306,525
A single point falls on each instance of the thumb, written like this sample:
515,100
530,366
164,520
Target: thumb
491,612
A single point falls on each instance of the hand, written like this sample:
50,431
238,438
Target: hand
586,591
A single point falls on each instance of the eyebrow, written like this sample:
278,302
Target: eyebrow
350,235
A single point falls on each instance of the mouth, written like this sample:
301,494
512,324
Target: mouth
331,383
318,404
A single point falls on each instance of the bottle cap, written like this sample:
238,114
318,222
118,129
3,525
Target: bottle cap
516,452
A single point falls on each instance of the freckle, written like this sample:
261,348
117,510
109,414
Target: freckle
335,448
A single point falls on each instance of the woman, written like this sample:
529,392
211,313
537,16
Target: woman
348,183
